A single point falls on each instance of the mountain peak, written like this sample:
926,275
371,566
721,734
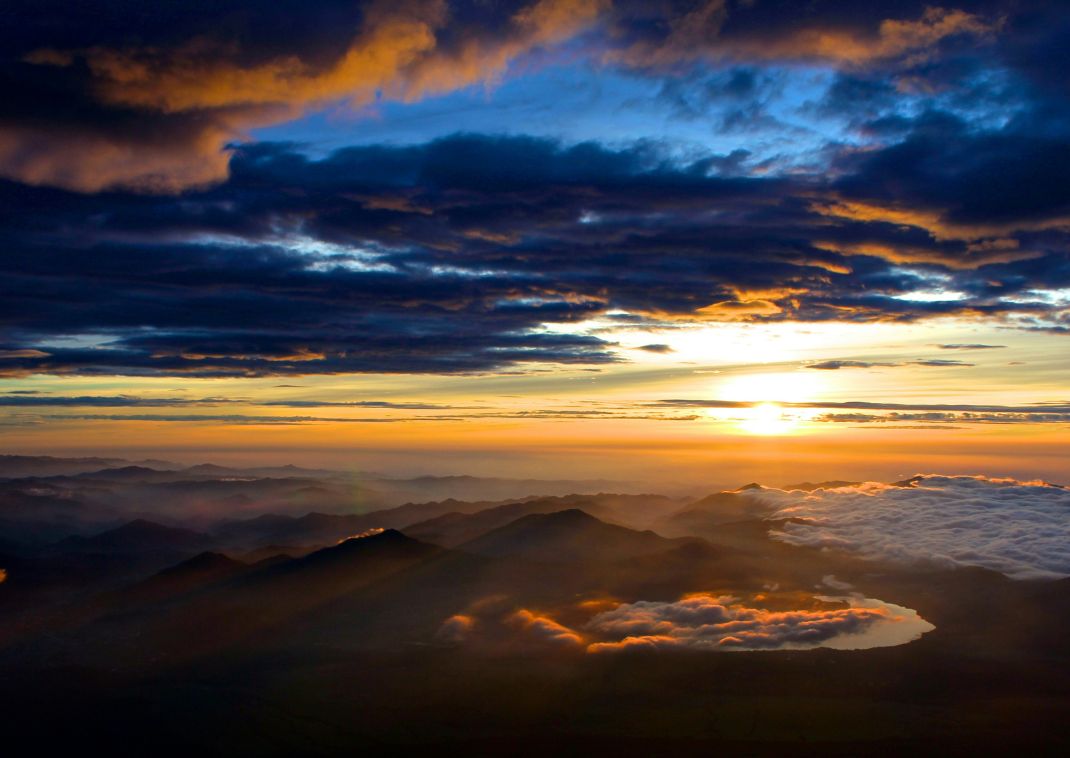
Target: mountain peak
139,535
208,561
567,535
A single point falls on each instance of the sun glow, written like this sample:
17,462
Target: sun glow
785,387
767,419
767,416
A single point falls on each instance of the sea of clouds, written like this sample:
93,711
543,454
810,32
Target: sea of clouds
1021,529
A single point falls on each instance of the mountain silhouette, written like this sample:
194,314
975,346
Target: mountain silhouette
570,535
703,517
456,528
194,573
138,536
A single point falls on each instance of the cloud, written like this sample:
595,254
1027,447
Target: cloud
455,629
477,270
916,39
708,622
22,399
426,411
1017,528
941,193
964,346
156,115
940,418
358,404
112,100
937,363
400,51
835,365
543,629
239,419
663,35
1043,413
1055,407
22,353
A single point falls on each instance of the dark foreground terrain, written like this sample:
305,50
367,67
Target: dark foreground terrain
473,628
884,702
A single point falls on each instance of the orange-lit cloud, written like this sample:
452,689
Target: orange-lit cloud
707,622
702,33
455,629
894,38
988,241
217,95
90,159
543,628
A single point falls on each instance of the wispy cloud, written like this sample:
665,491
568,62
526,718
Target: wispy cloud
969,346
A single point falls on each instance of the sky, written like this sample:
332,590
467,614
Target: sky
674,242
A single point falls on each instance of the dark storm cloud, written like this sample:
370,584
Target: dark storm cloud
664,34
114,96
449,257
453,256
148,99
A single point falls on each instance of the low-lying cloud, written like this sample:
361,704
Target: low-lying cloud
543,629
455,629
1021,529
709,622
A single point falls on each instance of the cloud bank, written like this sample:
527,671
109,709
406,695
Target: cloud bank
144,232
709,622
1021,529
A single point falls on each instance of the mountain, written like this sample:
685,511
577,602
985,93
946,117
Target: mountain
703,517
324,528
289,471
311,529
132,474
107,560
357,557
210,469
455,528
47,465
570,535
269,552
252,606
194,573
138,536
491,488
811,486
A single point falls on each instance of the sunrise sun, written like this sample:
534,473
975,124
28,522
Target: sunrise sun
768,419
766,394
